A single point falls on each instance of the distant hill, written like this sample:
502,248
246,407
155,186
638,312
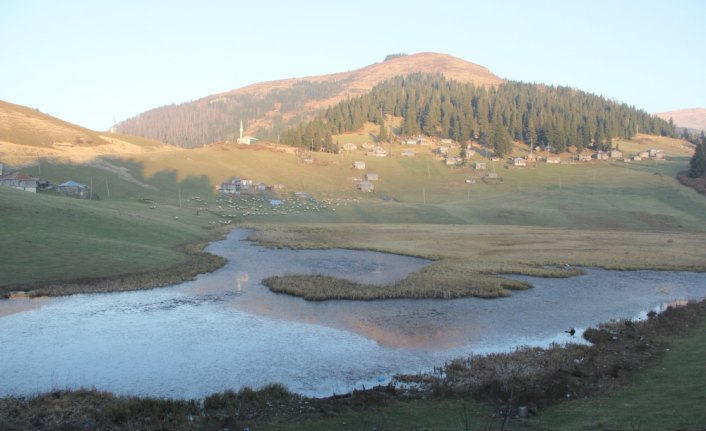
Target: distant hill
269,108
691,118
27,134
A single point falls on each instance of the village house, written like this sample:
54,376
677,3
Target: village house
519,162
531,157
358,164
584,157
657,154
479,166
644,154
365,186
408,153
636,158
615,154
601,155
453,161
378,152
73,189
371,176
442,149
19,181
552,159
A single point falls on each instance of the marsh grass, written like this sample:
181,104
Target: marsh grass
439,280
471,260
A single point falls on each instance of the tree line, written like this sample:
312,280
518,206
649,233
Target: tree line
536,114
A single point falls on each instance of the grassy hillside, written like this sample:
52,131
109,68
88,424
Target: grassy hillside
52,239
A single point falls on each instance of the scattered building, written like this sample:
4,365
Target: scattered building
441,149
377,152
479,166
601,155
408,153
365,186
368,146
447,141
453,161
584,157
74,189
553,159
519,162
358,164
410,142
531,157
349,146
615,154
657,154
636,158
371,176
644,154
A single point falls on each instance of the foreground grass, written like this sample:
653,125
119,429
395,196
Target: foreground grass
668,395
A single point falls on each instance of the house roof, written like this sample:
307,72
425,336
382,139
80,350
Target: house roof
73,184
18,176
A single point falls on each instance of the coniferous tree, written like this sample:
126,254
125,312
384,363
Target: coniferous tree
697,165
499,139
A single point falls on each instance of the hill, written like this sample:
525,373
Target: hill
691,118
27,135
271,107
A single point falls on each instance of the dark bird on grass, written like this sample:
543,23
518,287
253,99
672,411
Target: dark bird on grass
571,332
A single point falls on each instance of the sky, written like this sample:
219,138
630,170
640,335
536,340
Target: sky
95,62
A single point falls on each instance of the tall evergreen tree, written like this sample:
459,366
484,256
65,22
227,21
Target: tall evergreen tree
697,165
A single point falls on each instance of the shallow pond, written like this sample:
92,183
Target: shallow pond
225,330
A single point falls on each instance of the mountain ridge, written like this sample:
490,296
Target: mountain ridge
268,108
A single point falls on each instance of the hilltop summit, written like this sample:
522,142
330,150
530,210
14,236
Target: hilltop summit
268,108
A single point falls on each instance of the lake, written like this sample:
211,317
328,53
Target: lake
224,330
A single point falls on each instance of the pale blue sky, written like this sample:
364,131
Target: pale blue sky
89,61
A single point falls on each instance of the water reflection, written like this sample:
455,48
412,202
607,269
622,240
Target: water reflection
225,330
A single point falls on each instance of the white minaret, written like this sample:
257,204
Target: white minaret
240,141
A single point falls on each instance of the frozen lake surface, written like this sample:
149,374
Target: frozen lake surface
224,330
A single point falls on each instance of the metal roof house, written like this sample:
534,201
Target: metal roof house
73,189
